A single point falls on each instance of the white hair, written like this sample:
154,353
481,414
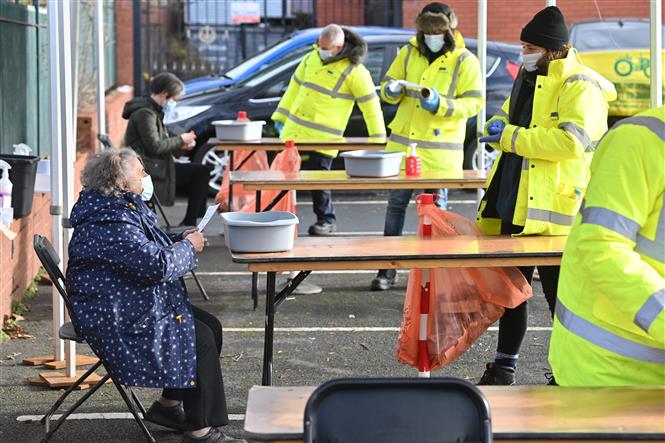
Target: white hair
105,171
334,33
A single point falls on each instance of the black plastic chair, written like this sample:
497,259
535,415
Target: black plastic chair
392,410
106,141
69,331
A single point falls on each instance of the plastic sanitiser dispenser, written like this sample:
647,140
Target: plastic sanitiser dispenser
6,210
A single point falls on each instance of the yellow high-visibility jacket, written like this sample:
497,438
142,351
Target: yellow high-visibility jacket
609,327
320,97
569,116
440,136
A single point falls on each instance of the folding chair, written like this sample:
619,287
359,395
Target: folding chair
69,331
106,141
391,410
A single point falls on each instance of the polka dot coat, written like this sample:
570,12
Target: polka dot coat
124,279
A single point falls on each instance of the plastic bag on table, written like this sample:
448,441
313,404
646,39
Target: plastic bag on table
464,302
287,160
245,161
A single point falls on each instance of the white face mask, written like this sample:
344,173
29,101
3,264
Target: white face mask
530,61
148,188
434,42
325,53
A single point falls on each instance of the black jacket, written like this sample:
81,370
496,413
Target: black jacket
148,136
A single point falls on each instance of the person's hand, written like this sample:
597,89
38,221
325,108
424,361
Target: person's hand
279,126
495,127
189,231
197,240
495,138
393,88
188,138
431,103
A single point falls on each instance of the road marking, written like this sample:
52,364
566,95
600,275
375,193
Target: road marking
361,202
101,416
246,273
360,329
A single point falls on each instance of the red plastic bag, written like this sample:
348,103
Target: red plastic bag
464,302
250,161
287,160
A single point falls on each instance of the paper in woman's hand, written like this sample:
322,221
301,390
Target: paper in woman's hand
206,218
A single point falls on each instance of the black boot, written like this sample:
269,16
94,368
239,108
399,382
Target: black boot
498,375
384,280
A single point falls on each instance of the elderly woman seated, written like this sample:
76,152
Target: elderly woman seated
125,282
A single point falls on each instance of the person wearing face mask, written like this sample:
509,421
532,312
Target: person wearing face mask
125,283
546,133
148,136
318,103
437,124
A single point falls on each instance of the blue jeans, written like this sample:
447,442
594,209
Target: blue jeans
322,200
398,201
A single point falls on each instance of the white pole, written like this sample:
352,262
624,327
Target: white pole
550,3
101,102
656,53
56,167
68,150
482,58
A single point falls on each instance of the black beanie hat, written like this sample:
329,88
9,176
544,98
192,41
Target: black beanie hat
546,29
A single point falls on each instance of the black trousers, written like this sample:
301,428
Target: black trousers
513,324
205,405
322,200
192,178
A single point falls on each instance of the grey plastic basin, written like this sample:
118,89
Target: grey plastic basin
372,163
272,231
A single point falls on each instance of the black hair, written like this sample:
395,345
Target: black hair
167,82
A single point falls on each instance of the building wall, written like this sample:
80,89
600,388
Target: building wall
506,18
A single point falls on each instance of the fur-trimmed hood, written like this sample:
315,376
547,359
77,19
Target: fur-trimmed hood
355,48
436,23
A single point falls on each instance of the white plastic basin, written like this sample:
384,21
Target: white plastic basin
272,231
372,163
238,130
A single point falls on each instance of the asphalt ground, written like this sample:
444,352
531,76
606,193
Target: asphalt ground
309,347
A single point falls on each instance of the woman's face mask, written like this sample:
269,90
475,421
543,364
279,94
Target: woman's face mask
530,61
434,42
169,106
148,188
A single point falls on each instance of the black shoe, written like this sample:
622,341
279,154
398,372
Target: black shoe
213,436
168,416
322,228
498,375
384,280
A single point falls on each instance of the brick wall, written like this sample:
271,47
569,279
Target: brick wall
124,51
19,262
342,12
506,18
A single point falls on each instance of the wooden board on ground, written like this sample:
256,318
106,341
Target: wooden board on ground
60,379
37,361
81,360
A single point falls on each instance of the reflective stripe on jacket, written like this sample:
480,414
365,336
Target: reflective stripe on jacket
320,98
569,117
440,136
609,328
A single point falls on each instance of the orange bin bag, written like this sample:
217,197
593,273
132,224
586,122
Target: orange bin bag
464,302
257,161
287,160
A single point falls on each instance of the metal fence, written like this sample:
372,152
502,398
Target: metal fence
199,37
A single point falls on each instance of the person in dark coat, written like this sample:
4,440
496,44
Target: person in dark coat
148,136
124,279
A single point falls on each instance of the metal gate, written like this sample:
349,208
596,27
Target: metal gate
192,38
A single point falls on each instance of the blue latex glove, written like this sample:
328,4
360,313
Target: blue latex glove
495,138
431,104
496,127
393,89
278,127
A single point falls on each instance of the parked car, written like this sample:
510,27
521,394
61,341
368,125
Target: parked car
296,42
259,95
619,51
